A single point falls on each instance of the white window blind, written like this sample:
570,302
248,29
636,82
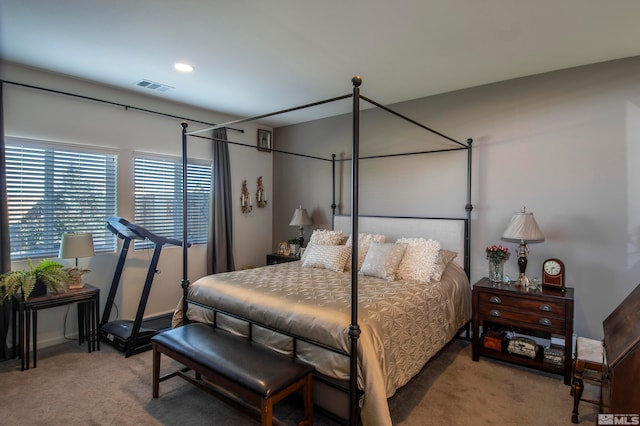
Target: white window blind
55,189
158,198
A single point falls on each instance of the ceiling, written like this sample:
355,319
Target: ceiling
254,57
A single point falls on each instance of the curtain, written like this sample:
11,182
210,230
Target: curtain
5,246
220,241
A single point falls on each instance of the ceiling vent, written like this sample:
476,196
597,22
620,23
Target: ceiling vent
152,85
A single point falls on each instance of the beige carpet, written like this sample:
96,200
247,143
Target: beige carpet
72,387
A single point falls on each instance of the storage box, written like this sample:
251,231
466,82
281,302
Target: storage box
554,355
494,340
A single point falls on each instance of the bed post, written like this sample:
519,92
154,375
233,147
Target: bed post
354,328
468,207
185,274
333,190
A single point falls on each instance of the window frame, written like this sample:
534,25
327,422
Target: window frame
198,227
53,227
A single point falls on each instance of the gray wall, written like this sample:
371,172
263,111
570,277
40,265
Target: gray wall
566,144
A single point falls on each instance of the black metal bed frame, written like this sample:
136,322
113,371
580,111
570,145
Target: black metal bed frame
354,328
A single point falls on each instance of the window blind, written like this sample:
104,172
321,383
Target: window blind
53,190
158,198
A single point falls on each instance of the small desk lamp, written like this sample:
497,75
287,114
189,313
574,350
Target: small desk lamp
523,229
300,218
75,245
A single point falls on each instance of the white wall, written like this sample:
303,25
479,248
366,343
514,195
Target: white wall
45,116
565,144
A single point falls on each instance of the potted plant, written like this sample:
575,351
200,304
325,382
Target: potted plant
294,245
46,276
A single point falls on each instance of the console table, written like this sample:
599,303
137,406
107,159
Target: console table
25,317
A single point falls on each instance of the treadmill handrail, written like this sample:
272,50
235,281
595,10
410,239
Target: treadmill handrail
119,227
155,238
122,228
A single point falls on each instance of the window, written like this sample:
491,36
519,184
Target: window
54,189
158,198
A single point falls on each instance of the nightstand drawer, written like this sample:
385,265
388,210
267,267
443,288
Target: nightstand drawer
531,318
545,308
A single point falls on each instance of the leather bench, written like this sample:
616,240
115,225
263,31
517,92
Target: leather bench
234,368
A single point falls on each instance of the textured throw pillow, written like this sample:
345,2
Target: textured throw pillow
382,260
445,257
419,259
324,237
364,241
328,257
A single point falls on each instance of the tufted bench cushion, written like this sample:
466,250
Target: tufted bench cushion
226,359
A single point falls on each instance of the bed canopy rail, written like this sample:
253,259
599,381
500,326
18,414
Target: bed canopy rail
270,114
354,330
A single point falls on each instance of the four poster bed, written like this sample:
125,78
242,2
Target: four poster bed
409,276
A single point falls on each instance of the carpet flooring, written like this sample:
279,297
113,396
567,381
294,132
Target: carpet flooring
72,387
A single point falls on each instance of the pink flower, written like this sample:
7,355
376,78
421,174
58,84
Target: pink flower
497,253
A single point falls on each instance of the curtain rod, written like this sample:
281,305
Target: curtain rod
59,92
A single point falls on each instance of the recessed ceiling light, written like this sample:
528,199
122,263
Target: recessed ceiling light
183,67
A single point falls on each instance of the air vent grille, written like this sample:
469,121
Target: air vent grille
152,85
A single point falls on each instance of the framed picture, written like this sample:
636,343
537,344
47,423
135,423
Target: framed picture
264,140
283,248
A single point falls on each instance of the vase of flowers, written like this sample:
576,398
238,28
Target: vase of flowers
497,255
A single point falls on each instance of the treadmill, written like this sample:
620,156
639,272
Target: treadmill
134,336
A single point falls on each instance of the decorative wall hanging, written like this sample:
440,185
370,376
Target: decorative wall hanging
264,140
245,198
261,194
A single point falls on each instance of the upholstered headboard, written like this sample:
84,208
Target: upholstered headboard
450,232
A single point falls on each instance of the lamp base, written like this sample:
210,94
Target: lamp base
523,280
75,277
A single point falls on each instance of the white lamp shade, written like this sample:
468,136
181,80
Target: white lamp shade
523,227
300,218
74,245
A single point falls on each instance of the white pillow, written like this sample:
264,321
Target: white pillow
364,241
328,257
382,260
418,262
324,237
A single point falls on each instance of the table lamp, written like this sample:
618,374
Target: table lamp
300,218
75,245
523,229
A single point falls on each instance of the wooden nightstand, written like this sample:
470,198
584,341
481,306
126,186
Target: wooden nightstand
274,258
532,313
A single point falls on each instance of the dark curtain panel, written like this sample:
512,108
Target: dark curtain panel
5,247
220,243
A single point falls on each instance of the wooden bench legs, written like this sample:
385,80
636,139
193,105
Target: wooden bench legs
212,376
267,403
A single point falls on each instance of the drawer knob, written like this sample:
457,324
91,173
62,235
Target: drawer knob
545,321
494,313
545,308
495,299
